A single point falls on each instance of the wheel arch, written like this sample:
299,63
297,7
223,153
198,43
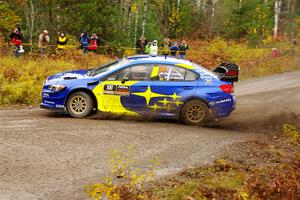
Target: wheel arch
89,92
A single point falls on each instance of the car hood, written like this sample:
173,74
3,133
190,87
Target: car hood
67,75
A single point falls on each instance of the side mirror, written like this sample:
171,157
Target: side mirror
124,80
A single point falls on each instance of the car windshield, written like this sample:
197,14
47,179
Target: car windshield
104,68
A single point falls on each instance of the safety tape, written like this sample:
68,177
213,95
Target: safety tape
103,47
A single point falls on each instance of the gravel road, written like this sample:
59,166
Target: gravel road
45,155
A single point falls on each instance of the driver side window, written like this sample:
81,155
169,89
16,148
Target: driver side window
133,73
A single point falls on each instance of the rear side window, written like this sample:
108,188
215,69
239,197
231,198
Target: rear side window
172,73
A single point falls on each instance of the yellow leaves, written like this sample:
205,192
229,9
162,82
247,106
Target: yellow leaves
134,8
174,20
243,196
291,132
124,173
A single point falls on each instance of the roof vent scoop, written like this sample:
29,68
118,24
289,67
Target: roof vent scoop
228,72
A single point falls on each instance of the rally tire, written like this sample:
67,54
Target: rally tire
194,112
80,104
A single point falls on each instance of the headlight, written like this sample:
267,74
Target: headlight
56,88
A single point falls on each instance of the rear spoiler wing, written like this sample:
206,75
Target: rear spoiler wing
228,72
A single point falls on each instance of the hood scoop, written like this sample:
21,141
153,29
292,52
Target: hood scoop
69,78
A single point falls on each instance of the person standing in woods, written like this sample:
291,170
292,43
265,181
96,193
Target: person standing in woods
84,42
94,43
43,41
62,41
141,44
174,49
148,47
166,44
153,48
16,38
182,49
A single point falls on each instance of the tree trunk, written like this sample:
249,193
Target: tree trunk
136,22
277,8
144,17
129,18
32,18
178,6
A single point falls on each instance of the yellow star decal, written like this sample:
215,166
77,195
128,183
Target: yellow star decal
177,102
148,95
155,107
165,101
175,96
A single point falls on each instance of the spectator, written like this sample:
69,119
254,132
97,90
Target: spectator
62,41
166,44
182,49
141,44
84,42
148,48
16,38
94,42
174,49
153,48
43,41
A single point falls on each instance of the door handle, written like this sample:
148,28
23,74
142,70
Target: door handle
188,87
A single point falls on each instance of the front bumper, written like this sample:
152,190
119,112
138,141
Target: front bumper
53,100
51,107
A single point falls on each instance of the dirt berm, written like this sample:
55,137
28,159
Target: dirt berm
50,156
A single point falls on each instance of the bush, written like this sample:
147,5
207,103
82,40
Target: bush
21,79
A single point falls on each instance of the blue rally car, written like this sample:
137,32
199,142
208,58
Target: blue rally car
145,86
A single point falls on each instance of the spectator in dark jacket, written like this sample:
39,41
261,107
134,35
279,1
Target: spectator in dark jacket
84,42
174,49
182,49
141,44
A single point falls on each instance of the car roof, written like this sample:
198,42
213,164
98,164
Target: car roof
157,59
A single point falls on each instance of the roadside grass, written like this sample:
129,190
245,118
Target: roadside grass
269,168
254,62
21,79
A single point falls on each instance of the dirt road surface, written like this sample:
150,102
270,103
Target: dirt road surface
52,157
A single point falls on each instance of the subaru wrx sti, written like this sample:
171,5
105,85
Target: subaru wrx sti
145,86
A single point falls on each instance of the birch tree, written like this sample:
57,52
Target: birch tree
136,10
277,7
144,17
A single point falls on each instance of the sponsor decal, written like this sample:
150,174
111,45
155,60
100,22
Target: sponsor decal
121,90
220,101
45,94
208,81
50,102
223,101
59,106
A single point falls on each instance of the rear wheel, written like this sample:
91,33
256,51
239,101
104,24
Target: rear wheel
194,112
80,104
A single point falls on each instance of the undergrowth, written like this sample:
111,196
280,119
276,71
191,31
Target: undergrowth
274,174
21,79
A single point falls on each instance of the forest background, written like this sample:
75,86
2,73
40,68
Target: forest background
122,22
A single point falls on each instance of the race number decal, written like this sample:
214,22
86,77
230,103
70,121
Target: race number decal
121,90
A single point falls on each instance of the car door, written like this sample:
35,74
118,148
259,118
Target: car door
171,86
118,94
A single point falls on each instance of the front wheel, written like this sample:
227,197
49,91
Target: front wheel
79,105
194,112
